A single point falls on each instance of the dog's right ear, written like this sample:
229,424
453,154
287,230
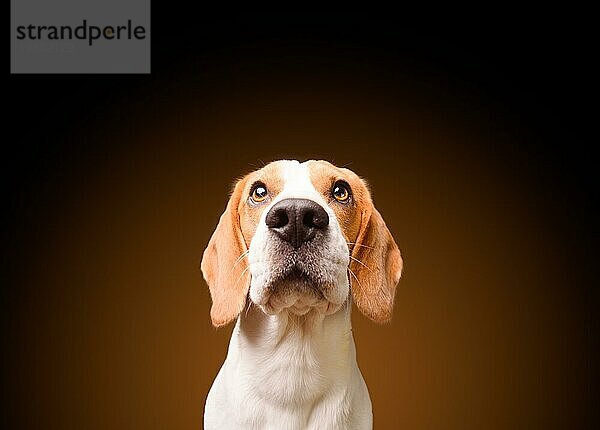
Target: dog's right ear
223,265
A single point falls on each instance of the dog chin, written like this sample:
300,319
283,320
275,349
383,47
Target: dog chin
297,294
273,307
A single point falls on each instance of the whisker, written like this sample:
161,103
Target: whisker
360,262
240,277
358,244
352,273
248,307
240,258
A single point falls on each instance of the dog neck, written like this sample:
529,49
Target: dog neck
290,371
294,359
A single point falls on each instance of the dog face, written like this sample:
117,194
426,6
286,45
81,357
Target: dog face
297,237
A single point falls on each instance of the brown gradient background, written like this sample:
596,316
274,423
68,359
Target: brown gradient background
107,318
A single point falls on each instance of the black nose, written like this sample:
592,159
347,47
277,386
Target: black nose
296,220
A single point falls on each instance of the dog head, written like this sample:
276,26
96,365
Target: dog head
297,237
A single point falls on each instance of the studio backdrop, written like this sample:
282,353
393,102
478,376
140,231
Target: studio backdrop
118,182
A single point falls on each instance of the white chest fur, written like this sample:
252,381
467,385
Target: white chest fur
290,372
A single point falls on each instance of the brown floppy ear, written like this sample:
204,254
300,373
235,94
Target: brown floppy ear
223,265
379,266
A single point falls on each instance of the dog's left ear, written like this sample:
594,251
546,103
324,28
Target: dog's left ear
223,265
376,265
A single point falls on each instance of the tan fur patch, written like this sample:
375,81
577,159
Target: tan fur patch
250,214
323,176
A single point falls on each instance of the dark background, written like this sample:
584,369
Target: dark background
475,135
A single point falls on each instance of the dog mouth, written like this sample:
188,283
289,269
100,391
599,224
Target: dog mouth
312,277
298,292
293,276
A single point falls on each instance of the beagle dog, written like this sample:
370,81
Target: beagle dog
296,244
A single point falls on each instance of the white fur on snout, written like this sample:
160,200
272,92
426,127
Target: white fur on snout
331,266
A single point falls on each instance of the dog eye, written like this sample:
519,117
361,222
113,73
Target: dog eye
259,193
341,191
